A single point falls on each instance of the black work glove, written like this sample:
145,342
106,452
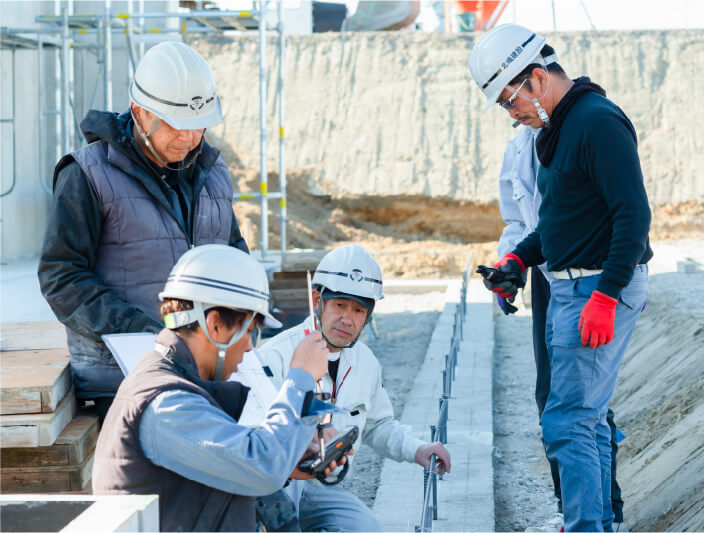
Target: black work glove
505,305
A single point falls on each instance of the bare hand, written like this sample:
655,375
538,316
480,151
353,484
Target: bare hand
424,452
311,355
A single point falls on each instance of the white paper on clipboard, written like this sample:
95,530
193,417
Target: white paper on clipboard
129,348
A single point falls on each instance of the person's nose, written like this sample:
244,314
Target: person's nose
249,347
513,112
346,317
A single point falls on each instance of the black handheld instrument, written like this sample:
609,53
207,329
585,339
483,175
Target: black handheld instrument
494,275
335,449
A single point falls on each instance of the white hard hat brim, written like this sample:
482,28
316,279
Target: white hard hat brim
211,118
271,322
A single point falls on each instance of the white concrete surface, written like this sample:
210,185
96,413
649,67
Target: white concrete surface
466,495
386,113
22,301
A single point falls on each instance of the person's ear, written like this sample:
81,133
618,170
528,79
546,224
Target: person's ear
212,320
316,297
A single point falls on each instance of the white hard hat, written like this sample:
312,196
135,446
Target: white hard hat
350,270
500,56
221,276
174,82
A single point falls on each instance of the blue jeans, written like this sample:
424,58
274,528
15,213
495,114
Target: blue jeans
334,509
582,381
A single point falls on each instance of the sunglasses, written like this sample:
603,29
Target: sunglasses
508,104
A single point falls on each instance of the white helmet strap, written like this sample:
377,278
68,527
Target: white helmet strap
197,314
318,317
145,139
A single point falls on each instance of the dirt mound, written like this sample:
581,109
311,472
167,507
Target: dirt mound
411,236
659,405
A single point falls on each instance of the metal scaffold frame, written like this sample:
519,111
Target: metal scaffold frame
60,32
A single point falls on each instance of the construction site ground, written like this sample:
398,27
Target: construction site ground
659,399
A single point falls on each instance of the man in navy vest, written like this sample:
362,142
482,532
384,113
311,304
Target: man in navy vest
145,189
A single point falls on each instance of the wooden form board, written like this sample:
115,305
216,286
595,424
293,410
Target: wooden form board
48,478
73,446
33,381
22,431
302,261
44,335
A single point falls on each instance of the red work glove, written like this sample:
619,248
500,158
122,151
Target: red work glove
596,323
510,264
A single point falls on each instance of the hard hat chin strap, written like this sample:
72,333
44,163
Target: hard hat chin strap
222,347
542,114
144,137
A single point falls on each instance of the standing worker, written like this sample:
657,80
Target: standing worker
519,201
145,189
346,286
592,231
172,428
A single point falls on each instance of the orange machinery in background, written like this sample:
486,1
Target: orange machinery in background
473,15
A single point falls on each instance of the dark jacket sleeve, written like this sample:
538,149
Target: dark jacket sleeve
529,250
236,238
77,296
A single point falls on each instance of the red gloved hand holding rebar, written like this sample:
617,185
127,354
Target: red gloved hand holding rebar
596,323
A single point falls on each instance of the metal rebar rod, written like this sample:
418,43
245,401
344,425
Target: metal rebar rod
434,481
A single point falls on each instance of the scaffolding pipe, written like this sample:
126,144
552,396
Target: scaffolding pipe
282,119
40,113
141,28
14,140
263,202
65,104
108,57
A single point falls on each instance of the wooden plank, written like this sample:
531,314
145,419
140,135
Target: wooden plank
290,276
72,447
302,261
14,432
44,335
281,295
33,381
47,478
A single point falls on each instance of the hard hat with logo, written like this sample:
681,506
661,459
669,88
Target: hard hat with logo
500,56
215,275
174,82
350,271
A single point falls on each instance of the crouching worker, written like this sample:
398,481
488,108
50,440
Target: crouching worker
172,429
346,286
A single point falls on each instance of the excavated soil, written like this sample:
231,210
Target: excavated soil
411,236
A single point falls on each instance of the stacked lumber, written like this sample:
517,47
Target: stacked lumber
43,448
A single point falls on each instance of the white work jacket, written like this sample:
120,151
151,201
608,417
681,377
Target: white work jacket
519,198
359,391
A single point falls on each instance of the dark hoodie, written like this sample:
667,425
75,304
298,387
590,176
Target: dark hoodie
76,295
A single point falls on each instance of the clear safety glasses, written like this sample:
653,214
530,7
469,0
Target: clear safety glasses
509,103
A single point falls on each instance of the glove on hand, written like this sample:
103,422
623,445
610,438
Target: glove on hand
510,264
596,323
505,305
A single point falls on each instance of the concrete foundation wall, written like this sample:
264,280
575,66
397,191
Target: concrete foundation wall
397,113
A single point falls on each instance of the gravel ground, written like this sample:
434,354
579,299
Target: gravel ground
522,483
403,340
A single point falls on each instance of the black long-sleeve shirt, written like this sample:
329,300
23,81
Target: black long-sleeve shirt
594,212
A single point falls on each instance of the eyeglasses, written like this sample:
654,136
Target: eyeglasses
508,104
